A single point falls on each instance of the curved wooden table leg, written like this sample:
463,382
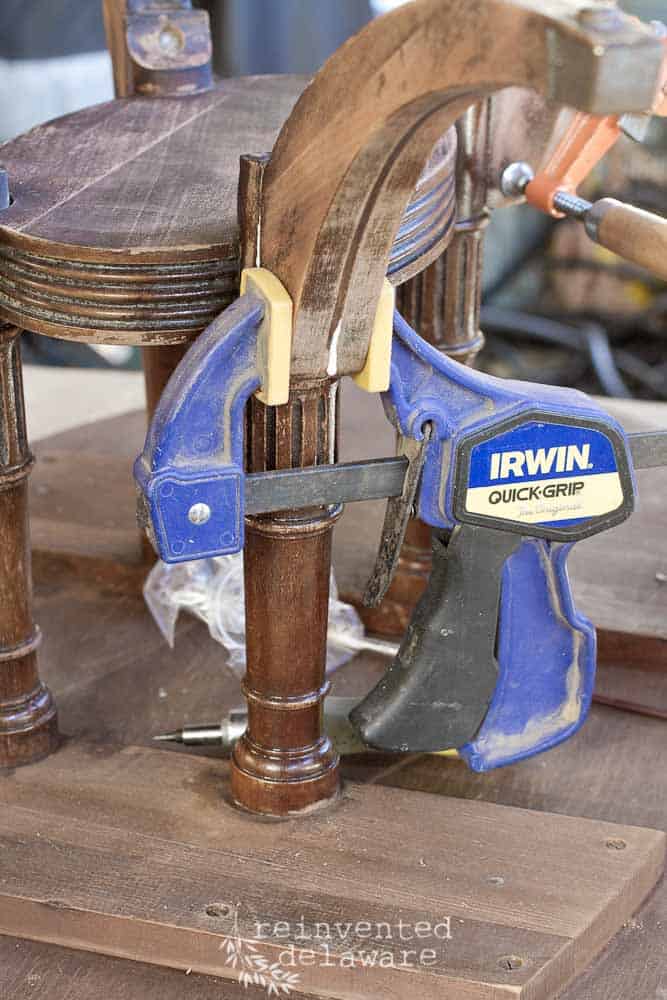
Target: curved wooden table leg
28,723
442,303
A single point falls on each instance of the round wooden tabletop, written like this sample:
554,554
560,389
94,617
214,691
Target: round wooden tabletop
123,224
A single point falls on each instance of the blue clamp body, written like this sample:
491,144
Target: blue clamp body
534,459
546,463
191,472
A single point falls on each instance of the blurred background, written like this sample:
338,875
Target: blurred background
557,308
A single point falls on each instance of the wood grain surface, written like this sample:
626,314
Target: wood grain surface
123,227
120,178
136,853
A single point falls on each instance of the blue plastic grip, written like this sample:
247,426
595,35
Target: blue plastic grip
191,471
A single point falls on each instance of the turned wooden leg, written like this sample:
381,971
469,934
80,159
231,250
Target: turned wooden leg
285,763
28,723
159,364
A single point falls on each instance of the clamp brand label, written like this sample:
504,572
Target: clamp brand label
544,473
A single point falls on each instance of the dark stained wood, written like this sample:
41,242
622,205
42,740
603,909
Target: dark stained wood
28,722
134,191
169,48
190,871
124,225
159,364
137,241
251,178
285,762
131,77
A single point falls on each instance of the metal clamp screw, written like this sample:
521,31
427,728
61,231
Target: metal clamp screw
170,40
199,513
516,178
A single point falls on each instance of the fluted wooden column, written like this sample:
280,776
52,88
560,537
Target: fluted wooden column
285,762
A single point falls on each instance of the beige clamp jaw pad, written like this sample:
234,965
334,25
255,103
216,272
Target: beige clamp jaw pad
375,375
274,339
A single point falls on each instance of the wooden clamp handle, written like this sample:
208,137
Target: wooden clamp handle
349,156
638,236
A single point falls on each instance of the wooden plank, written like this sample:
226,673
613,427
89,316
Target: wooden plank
129,853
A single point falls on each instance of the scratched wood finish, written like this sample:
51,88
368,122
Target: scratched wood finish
28,722
158,362
137,241
163,851
123,227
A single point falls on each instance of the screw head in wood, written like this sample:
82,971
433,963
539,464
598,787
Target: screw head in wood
511,963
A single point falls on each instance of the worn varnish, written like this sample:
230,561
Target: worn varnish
137,241
28,724
180,43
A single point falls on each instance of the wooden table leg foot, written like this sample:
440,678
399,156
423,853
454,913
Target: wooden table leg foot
28,728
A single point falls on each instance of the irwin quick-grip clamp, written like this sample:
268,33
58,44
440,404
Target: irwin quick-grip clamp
496,662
